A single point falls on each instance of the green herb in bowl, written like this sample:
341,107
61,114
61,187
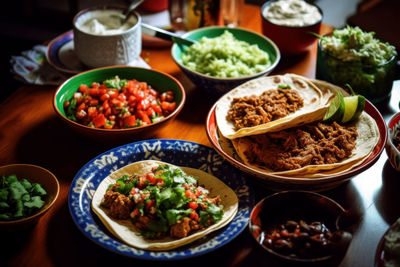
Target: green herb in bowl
19,198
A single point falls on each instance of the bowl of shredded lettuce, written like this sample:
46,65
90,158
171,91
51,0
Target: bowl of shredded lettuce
355,57
223,58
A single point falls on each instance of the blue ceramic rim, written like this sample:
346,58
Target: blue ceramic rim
54,48
86,180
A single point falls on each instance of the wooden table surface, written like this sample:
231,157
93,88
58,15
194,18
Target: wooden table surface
30,132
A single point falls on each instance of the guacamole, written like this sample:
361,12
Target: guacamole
355,57
351,44
225,57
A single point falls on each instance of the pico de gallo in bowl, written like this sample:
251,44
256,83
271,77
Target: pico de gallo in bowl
119,103
115,102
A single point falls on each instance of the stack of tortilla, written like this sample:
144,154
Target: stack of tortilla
316,96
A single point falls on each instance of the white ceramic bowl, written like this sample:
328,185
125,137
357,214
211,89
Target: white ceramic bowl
100,50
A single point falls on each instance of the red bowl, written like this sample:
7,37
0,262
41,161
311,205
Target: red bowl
279,182
291,40
392,152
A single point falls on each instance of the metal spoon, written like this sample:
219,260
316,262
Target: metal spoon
166,35
126,14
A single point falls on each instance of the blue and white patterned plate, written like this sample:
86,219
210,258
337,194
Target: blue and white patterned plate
178,152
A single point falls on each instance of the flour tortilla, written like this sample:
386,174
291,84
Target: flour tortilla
127,232
316,101
368,137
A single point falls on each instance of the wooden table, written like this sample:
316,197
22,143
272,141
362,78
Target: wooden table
30,132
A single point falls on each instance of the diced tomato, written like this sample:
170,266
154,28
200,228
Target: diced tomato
107,112
167,96
92,112
113,93
194,216
143,116
139,94
156,107
106,105
116,103
104,97
130,121
193,205
168,106
95,85
151,203
198,192
150,112
82,106
144,104
99,121
83,88
122,97
136,212
132,99
160,182
94,102
93,91
150,178
189,193
153,92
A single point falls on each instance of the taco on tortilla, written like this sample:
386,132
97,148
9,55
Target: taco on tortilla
271,104
154,205
317,149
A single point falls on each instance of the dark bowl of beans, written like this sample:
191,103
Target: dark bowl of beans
300,226
119,103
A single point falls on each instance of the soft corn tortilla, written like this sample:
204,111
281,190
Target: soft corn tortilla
368,137
316,101
127,232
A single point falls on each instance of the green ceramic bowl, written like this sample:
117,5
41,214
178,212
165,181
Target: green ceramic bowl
219,86
156,79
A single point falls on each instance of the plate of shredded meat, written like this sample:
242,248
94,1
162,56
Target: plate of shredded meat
314,155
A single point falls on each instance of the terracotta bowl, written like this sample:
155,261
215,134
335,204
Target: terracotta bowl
291,40
158,80
392,152
34,174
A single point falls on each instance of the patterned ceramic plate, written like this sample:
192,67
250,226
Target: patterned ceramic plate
181,153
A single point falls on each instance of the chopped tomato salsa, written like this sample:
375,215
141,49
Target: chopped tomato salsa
119,103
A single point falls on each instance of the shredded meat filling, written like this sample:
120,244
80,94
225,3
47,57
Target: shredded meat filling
313,144
119,205
273,104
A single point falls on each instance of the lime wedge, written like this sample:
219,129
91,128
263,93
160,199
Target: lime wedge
336,109
353,106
